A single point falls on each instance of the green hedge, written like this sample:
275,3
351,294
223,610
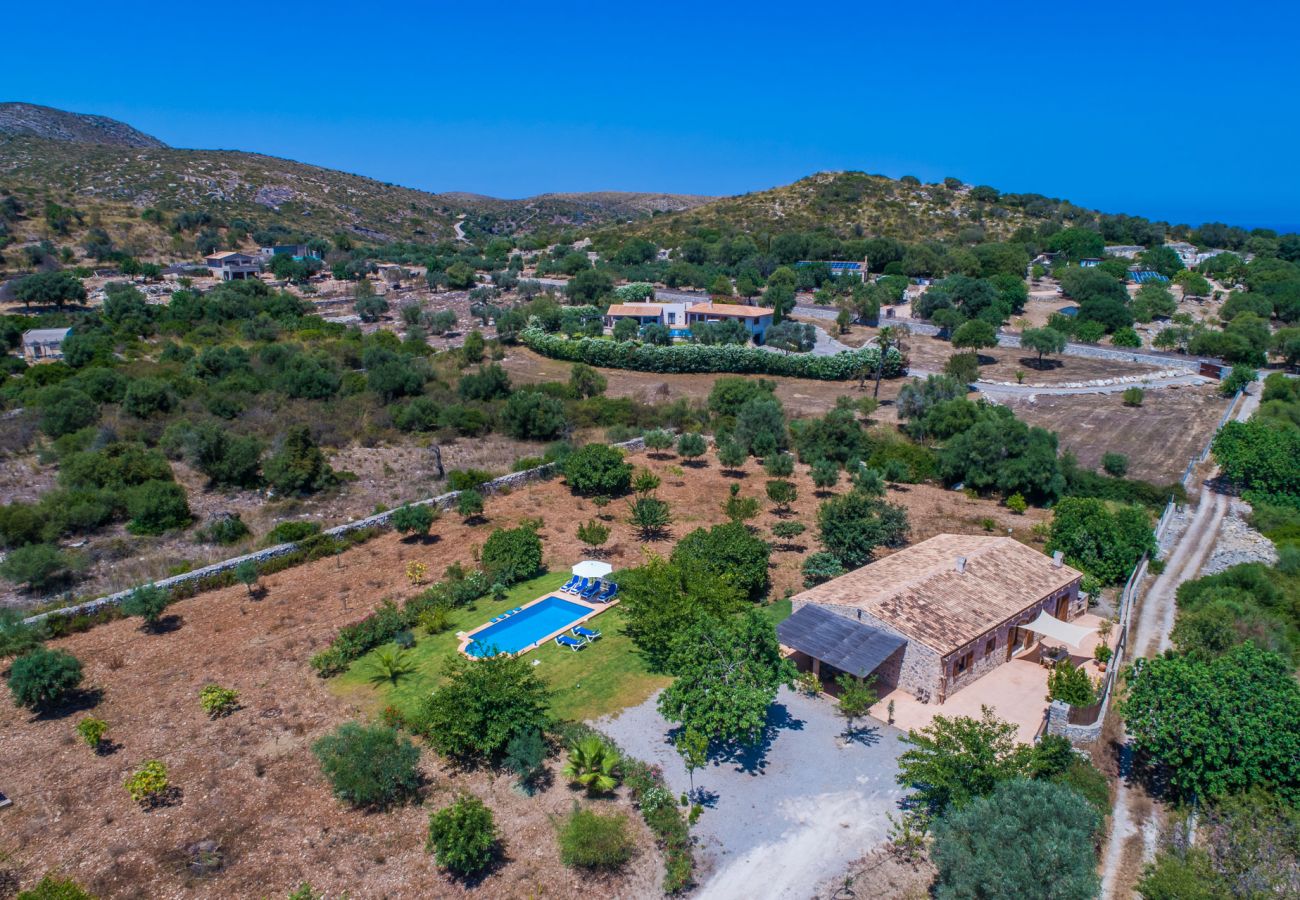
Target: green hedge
697,358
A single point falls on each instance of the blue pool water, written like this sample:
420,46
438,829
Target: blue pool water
526,627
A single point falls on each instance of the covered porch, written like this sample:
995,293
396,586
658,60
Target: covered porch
828,645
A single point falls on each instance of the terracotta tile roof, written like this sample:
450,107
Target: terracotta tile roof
919,591
729,309
634,309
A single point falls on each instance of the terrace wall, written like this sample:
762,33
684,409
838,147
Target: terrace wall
379,520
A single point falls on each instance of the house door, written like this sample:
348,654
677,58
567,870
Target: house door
1063,608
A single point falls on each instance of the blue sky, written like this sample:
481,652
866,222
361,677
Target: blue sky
1185,112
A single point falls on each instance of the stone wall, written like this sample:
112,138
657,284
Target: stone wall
379,520
1058,722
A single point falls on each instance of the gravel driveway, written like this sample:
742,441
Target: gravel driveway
795,813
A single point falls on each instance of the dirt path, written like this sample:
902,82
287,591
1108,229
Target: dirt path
1135,819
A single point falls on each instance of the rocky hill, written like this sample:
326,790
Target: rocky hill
855,204
31,120
109,173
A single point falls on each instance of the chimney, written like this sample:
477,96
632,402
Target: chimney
961,565
1057,558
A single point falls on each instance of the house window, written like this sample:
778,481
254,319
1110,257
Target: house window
990,646
963,663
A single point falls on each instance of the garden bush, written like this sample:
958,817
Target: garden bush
149,784
590,840
511,555
218,701
42,678
463,836
369,766
704,358
598,470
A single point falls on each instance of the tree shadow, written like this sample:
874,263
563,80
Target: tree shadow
79,700
1045,365
752,758
165,625
867,736
704,797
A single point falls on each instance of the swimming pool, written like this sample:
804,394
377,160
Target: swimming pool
529,626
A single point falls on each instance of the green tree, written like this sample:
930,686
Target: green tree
650,516
472,349
414,519
1043,341
691,446
469,504
246,573
955,759
728,672
974,335
1218,726
593,534
731,455
533,416
782,493
853,525
584,381
693,747
857,696
57,288
482,705
1070,684
998,844
42,678
460,276
1104,544
825,474
40,567
597,470
729,554
463,836
1114,464
511,555
658,439
659,600
149,602
298,466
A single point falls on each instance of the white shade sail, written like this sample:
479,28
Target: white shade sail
1052,627
592,568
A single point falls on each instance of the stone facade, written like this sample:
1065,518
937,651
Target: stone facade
919,668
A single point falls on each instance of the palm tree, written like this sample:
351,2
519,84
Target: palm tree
390,665
594,764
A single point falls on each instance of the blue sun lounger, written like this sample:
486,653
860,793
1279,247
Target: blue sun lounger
607,592
581,586
590,590
571,583
585,633
572,643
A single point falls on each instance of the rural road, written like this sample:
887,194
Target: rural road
1152,627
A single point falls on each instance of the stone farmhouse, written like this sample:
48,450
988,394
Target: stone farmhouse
934,617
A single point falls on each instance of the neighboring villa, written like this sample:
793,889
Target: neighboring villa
678,317
936,616
1126,251
297,251
838,267
233,265
44,344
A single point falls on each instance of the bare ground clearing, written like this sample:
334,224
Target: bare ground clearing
1159,438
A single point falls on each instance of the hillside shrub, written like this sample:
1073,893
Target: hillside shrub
482,705
369,766
53,888
704,358
598,470
149,784
290,533
42,678
218,701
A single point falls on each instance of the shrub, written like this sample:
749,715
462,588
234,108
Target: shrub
526,757
704,358
290,533
1114,464
156,507
1071,684
512,555
38,566
218,701
148,785
1133,396
42,678
1017,504
820,567
658,439
650,516
414,519
533,416
463,836
369,766
594,763
590,840
470,504
593,534
691,446
16,636
226,529
92,731
597,470
728,553
149,602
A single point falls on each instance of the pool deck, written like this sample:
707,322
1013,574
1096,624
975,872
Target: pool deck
594,609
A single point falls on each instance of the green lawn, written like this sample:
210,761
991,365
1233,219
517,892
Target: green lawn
605,677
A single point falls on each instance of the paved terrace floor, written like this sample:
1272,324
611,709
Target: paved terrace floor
1016,691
